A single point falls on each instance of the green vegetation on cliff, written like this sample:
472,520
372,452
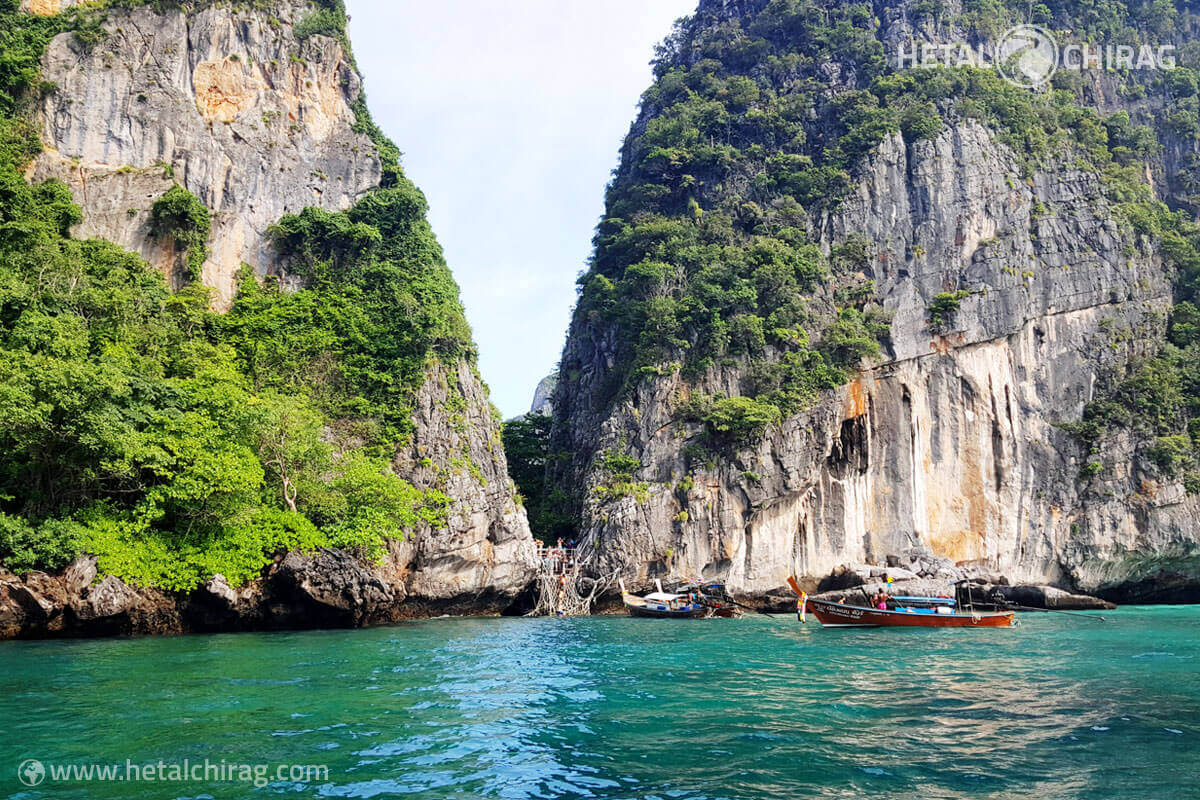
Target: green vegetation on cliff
180,216
758,118
704,256
174,442
1157,398
527,448
754,126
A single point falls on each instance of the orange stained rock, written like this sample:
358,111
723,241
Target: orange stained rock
224,89
44,8
856,399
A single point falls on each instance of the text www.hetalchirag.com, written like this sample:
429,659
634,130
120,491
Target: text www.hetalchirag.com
33,772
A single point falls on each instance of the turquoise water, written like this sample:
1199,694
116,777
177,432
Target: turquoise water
627,708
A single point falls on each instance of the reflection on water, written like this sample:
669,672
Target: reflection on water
475,722
624,708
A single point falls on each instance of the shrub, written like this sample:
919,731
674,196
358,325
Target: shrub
741,420
180,215
685,485
322,22
849,340
1185,325
1171,453
49,546
620,467
944,308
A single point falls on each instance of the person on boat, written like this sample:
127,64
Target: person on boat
881,600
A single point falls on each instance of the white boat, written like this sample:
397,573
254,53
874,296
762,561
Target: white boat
663,604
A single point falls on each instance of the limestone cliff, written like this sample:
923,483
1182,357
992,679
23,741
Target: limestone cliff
486,554
225,100
258,119
543,396
951,438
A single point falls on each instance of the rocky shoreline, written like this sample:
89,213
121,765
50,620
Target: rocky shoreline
328,589
333,589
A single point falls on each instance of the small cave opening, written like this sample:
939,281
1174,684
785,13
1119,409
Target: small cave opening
851,449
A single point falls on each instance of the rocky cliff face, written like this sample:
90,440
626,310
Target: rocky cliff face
950,440
543,396
257,122
225,100
486,554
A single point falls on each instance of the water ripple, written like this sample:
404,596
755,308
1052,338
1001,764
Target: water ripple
621,708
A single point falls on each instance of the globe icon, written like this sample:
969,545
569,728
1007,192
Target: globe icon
31,772
1027,56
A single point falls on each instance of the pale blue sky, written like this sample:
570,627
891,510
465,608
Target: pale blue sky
510,116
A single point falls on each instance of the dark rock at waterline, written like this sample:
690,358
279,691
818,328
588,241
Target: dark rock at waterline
917,572
1168,588
216,605
778,601
1035,596
80,574
70,604
109,599
842,577
326,589
330,588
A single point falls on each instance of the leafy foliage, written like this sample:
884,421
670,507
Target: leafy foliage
705,257
24,547
527,448
739,420
180,215
173,442
944,307
322,21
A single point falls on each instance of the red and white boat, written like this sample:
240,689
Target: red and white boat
842,615
916,615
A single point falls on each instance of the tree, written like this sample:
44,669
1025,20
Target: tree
527,447
180,215
289,443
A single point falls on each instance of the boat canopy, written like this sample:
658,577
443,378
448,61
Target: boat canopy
662,597
933,601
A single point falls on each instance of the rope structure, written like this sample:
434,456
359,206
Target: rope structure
563,587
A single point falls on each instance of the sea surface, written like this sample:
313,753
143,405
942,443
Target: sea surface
613,707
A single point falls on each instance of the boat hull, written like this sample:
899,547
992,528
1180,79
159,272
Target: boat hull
837,615
684,613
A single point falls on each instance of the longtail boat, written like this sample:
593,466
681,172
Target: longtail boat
663,604
911,612
711,594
